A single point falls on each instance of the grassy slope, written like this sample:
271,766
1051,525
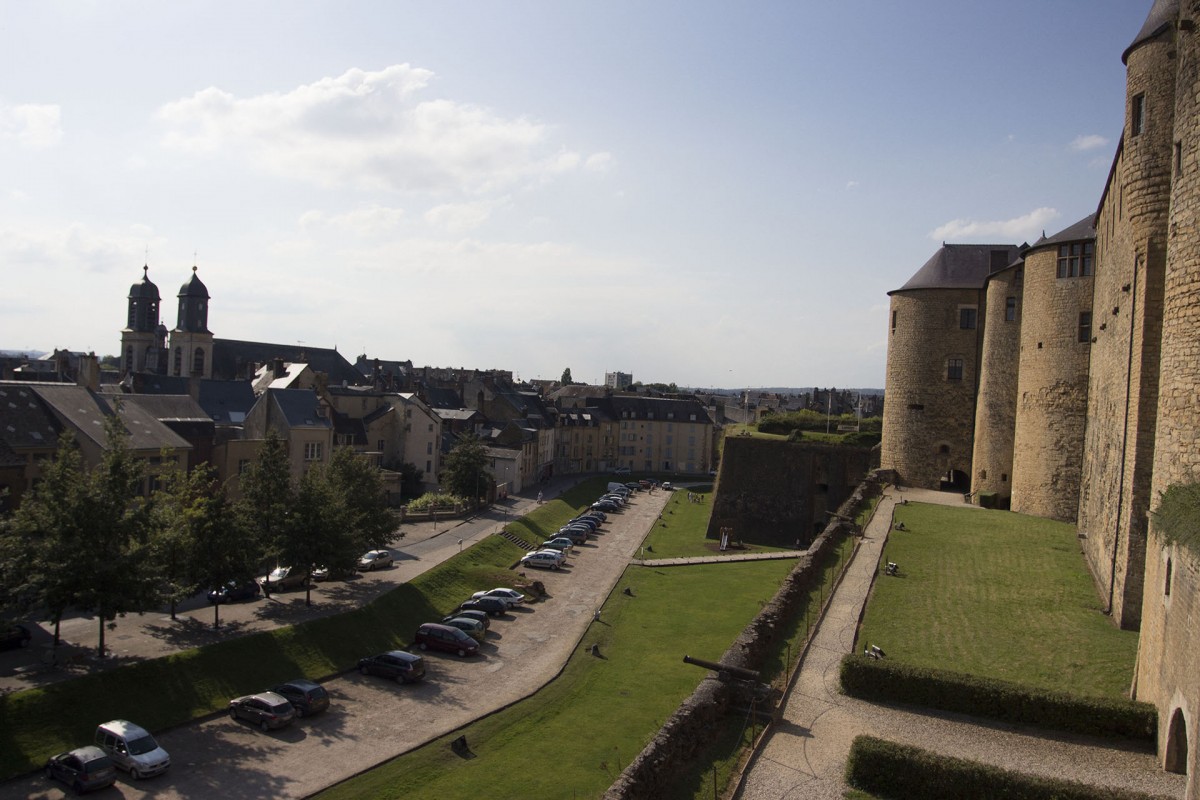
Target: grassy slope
997,594
573,738
681,530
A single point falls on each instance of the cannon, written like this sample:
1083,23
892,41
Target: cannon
724,671
748,687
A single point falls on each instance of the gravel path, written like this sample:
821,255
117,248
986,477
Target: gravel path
805,754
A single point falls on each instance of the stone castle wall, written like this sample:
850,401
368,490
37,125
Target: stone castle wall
928,419
1051,390
996,407
1167,673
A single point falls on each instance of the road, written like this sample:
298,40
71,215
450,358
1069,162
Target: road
370,719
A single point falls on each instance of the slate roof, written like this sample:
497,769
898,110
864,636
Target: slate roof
1081,231
656,408
437,397
226,402
173,407
455,413
231,357
961,266
25,422
298,406
85,411
1162,14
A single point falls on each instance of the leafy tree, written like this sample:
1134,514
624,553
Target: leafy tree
357,486
411,479
267,499
44,536
318,532
115,528
464,474
566,377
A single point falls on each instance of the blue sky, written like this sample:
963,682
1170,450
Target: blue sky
713,194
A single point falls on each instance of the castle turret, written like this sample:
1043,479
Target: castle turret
1052,382
932,366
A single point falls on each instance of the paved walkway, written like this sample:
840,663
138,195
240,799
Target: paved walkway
805,753
686,560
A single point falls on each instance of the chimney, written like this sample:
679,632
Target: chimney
89,372
277,368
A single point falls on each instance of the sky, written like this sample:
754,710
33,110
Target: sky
712,194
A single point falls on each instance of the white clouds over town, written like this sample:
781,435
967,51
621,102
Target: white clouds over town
1025,228
33,126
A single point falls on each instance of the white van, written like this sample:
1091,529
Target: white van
132,748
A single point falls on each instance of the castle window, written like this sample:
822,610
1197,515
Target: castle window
1075,260
1167,580
916,406
1085,326
1010,309
944,449
894,321
1178,159
967,316
954,369
983,474
1137,114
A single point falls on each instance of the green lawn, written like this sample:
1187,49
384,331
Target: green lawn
1000,595
680,533
575,736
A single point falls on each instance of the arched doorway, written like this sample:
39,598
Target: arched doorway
955,480
1177,744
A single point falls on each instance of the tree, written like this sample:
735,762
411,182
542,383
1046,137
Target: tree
411,479
267,499
115,531
359,489
464,474
44,535
566,377
317,534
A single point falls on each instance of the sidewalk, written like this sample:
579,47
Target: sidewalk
805,752
136,637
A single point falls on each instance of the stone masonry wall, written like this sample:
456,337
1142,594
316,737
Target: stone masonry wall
775,492
689,731
1051,390
996,407
929,419
1167,673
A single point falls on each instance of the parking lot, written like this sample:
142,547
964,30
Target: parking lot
372,719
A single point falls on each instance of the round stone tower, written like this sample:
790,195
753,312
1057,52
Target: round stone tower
932,366
1052,382
996,405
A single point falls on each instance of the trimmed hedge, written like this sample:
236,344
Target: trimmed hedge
887,769
897,682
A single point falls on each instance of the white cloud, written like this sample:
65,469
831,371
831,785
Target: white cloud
460,217
851,185
599,162
1025,227
1092,141
33,126
369,221
369,130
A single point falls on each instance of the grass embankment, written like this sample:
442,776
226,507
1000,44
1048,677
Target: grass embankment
999,595
163,692
681,532
575,736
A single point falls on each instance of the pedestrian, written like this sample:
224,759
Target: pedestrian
539,498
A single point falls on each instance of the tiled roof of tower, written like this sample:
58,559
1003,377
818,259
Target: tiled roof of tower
1158,21
961,266
1084,229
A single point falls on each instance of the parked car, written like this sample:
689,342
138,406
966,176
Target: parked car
595,514
634,486
307,697
267,710
645,484
475,614
436,636
14,636
234,591
606,505
511,597
492,606
621,471
324,573
542,559
283,578
468,625
83,769
591,523
620,500
560,543
398,665
132,748
576,535
667,486
375,559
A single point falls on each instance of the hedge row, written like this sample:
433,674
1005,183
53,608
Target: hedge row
887,769
897,682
